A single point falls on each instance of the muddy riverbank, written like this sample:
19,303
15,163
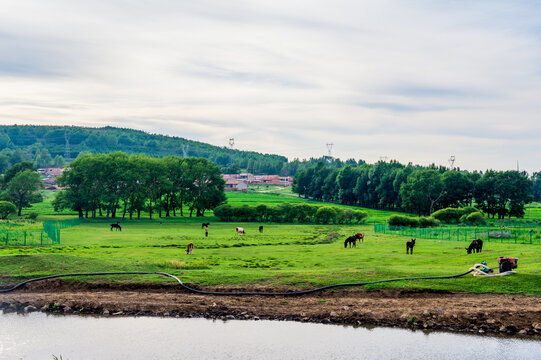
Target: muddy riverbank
482,313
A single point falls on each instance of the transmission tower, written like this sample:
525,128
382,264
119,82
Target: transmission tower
451,161
231,142
383,158
185,149
67,154
329,148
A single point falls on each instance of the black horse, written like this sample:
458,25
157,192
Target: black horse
203,225
409,246
116,226
475,246
261,228
352,241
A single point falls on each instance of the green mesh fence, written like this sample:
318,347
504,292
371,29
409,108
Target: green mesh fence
52,228
10,237
502,235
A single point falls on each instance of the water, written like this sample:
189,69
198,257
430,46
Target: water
40,336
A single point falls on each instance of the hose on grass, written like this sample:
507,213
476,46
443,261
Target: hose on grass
204,292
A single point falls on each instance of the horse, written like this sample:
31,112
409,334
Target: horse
475,246
116,226
352,241
360,237
189,249
409,246
240,231
204,225
261,228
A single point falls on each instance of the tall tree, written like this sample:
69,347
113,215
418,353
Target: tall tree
22,187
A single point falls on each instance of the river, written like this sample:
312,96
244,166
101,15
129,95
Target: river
40,336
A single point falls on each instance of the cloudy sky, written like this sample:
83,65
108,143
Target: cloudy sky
407,80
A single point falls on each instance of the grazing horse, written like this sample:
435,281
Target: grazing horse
352,241
189,249
116,226
360,237
409,246
204,225
261,228
475,246
240,231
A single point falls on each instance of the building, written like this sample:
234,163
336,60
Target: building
235,185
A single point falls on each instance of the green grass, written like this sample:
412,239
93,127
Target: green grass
301,256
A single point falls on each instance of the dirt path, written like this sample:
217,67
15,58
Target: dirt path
389,307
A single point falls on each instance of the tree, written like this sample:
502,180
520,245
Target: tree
6,208
15,169
536,186
423,189
59,161
22,187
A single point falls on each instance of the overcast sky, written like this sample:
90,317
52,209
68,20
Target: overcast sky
408,80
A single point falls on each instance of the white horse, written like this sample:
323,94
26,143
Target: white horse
240,231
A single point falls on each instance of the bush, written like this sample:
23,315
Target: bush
325,214
453,215
224,212
448,215
6,208
32,215
402,220
426,222
475,219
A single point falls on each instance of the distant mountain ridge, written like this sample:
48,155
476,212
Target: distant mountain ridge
33,139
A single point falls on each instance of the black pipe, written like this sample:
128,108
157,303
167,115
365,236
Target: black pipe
203,292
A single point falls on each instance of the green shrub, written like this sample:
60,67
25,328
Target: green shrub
402,220
325,214
475,219
426,222
448,215
32,215
6,208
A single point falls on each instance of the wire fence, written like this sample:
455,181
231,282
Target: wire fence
52,228
9,237
502,235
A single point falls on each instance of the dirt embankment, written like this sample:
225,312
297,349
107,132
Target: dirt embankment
389,307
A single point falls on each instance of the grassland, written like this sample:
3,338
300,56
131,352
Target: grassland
301,256
296,255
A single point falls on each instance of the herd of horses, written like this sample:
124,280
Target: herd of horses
476,246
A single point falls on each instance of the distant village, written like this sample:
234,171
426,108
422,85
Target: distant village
48,177
233,182
240,182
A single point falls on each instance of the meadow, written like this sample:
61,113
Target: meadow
300,256
295,255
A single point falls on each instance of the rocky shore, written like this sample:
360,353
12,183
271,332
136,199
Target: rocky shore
479,313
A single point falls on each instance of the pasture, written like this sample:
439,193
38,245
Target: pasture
284,255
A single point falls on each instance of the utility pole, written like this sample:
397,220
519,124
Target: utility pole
67,154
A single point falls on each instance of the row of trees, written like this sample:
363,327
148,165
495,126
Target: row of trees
289,213
391,185
104,183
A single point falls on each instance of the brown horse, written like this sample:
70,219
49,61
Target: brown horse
189,249
409,246
360,237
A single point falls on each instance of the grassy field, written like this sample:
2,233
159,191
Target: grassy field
297,255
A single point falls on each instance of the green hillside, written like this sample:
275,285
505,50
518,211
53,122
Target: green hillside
44,143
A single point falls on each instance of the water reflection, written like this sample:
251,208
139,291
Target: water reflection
39,336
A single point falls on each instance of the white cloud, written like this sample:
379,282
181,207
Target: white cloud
415,81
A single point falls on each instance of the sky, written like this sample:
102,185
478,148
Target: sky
413,81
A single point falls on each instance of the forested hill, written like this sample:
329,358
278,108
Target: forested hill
43,144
